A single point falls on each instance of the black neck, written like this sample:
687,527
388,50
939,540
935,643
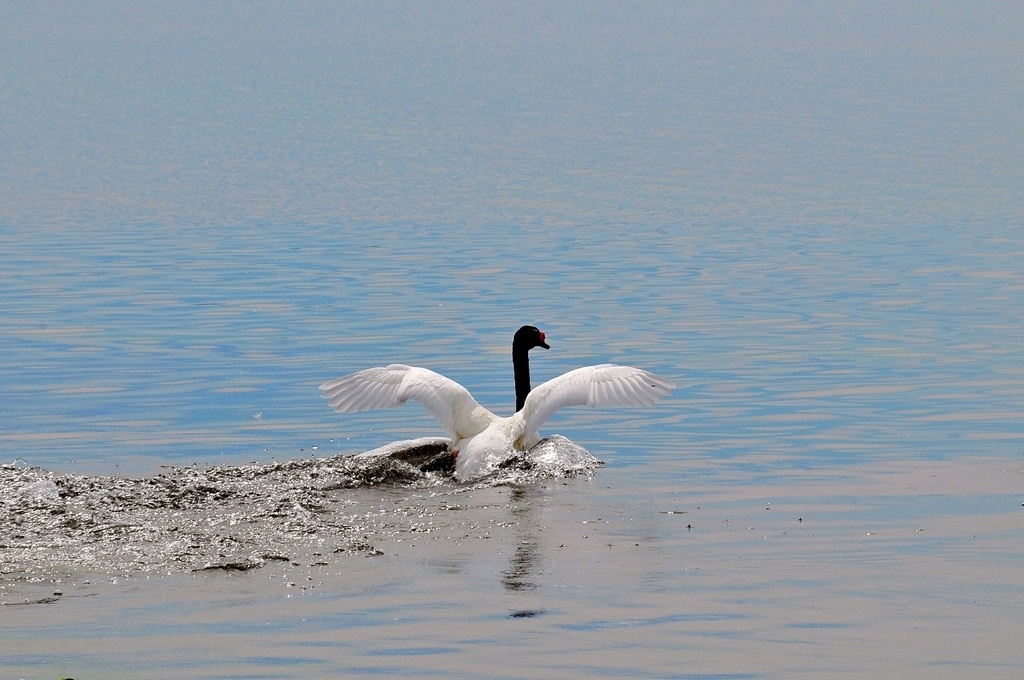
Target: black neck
521,368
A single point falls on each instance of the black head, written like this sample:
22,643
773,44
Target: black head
528,337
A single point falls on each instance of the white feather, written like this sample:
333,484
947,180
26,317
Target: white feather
601,385
481,438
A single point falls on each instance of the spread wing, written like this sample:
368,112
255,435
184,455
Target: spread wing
451,404
602,385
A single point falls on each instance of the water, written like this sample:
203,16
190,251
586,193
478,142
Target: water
808,218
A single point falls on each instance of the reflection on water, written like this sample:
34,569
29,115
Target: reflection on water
851,571
524,561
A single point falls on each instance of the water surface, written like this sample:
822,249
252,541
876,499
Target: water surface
807,217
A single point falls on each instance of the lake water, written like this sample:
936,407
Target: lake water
807,217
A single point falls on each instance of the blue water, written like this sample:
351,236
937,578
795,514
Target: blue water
134,346
808,217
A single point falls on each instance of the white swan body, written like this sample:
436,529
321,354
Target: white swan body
480,438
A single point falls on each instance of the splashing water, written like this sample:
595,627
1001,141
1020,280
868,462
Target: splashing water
234,518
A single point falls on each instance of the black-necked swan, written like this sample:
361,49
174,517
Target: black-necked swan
480,439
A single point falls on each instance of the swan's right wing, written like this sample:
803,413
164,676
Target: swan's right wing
602,385
450,403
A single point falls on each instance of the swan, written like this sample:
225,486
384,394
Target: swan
480,439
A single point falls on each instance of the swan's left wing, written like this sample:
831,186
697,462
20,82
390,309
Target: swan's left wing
450,403
602,385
